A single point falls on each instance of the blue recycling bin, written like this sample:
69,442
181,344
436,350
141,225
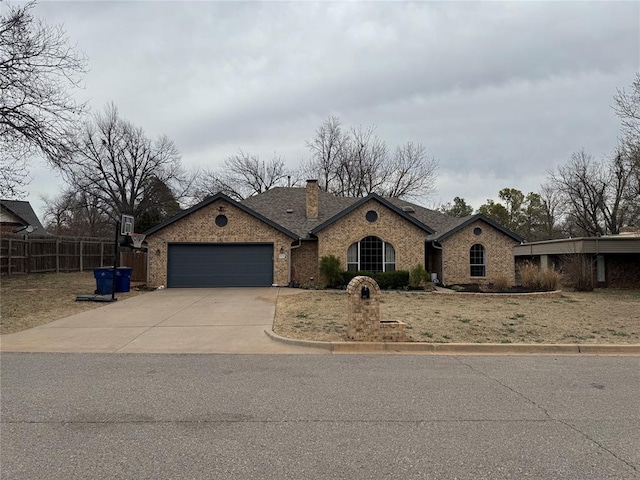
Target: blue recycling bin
104,280
123,279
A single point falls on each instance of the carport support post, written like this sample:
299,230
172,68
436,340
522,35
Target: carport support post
116,255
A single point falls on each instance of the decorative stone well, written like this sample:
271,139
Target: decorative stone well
363,318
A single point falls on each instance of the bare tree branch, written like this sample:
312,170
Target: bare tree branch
38,70
116,164
356,162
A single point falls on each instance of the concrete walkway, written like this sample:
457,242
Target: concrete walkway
202,320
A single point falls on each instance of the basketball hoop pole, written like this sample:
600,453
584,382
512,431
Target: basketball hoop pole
116,261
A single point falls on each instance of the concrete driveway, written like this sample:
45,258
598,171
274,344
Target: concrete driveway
202,320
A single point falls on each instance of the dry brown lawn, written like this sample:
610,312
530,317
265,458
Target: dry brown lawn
602,316
30,300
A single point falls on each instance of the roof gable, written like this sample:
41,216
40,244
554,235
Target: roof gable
23,211
286,206
473,218
381,200
209,201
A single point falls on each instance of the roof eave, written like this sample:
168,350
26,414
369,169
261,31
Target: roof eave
485,219
209,201
381,200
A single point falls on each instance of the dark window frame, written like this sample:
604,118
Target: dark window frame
478,260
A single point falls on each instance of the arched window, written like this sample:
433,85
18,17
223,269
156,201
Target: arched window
477,261
371,254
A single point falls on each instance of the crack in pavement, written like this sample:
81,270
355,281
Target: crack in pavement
546,413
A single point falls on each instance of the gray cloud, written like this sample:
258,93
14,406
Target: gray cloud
499,92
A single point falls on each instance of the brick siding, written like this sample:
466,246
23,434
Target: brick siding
407,239
305,266
200,227
498,250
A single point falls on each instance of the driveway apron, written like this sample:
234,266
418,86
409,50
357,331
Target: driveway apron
199,320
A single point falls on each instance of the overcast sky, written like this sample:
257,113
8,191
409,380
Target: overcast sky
498,92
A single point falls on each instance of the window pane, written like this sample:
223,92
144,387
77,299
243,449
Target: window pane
352,253
477,260
371,254
352,267
389,253
477,270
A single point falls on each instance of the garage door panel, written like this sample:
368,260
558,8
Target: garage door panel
220,265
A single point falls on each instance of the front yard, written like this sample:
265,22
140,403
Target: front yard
603,316
30,300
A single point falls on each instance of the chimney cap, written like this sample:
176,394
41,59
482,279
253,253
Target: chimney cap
313,180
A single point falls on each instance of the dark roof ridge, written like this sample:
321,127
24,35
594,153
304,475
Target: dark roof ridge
24,211
384,201
479,216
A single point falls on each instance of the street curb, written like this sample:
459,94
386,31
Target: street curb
461,348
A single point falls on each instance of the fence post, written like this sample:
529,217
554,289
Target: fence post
57,255
101,254
81,245
27,252
9,257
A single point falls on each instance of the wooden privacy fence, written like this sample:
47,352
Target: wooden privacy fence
62,254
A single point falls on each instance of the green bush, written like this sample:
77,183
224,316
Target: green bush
418,276
386,280
330,271
392,280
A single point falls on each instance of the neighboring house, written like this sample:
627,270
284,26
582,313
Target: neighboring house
279,237
17,216
616,258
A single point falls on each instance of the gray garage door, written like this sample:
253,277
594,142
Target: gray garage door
220,265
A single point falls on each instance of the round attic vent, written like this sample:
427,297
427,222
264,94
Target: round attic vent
221,221
371,216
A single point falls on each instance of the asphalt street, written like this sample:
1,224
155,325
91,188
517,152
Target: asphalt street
219,416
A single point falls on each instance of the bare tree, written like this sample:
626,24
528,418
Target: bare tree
328,149
356,162
74,213
38,69
363,168
627,107
14,174
115,163
552,212
242,176
411,172
596,194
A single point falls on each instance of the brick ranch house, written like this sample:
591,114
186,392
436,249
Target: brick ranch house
278,237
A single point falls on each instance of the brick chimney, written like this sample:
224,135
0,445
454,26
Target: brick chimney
312,198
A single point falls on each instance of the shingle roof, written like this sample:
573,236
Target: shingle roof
208,201
383,201
287,207
23,210
438,221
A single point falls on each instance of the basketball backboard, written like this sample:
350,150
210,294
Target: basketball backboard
126,225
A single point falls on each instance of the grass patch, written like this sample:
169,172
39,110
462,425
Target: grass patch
599,319
37,299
